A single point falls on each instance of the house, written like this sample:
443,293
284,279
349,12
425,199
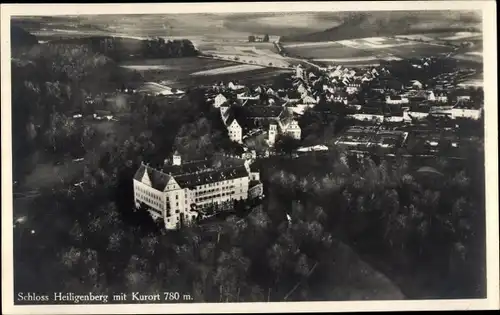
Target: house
431,96
417,96
353,87
474,114
441,97
219,100
247,96
234,129
302,89
366,78
308,99
293,129
299,72
416,84
396,99
465,109
463,97
270,91
177,194
235,87
340,97
368,114
335,73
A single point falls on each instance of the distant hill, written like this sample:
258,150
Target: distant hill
21,38
383,23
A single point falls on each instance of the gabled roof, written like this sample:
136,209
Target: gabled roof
394,97
185,168
263,111
203,178
158,179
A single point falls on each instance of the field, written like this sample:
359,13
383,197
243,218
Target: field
326,51
184,72
227,70
470,57
444,36
365,50
175,72
257,76
264,54
474,80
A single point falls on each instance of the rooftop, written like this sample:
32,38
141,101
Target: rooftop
192,174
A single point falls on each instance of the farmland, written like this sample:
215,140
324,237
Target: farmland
224,70
365,50
331,50
185,72
264,54
175,70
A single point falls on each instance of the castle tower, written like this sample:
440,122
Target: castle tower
176,158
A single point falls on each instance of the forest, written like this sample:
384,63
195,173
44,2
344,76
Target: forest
429,239
121,49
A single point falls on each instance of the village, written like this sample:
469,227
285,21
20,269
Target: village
385,115
383,109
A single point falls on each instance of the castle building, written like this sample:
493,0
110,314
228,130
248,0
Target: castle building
178,192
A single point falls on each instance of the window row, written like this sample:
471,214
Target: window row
148,193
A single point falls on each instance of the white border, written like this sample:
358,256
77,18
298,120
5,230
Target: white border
491,156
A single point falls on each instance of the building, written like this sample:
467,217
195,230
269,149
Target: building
353,87
273,132
365,138
299,72
248,96
219,100
302,89
235,87
178,193
441,97
234,129
416,84
393,99
292,129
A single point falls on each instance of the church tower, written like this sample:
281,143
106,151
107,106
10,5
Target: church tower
273,130
176,158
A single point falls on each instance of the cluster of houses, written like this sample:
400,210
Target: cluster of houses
389,100
249,114
367,94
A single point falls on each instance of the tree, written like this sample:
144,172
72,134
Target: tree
251,38
287,144
266,38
